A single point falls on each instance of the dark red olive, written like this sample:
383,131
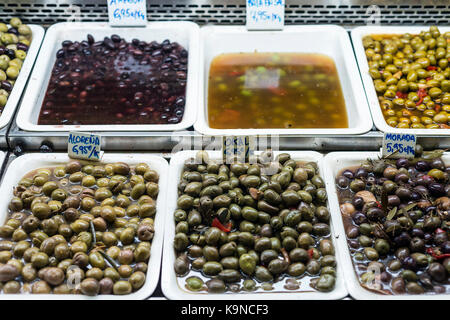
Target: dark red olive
445,247
359,217
353,243
436,189
385,277
403,193
402,240
416,232
348,174
409,263
6,85
22,46
361,173
438,164
352,232
402,163
437,271
393,200
358,202
425,281
422,165
423,191
343,181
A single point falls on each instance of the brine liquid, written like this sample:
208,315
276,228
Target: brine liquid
275,90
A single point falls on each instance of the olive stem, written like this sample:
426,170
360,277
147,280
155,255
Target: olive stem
109,259
94,237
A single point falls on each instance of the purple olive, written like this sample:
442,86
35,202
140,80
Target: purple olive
393,200
402,163
358,202
436,189
445,247
409,263
359,217
422,165
402,240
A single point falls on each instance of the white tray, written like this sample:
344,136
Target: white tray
334,163
325,39
169,283
26,163
183,32
16,93
357,35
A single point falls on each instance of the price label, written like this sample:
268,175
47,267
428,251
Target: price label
265,14
127,12
237,148
84,146
398,145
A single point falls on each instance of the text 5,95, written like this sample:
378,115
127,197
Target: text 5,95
392,147
252,309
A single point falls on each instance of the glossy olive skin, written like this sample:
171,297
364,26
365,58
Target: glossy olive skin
14,44
411,77
394,223
79,223
238,226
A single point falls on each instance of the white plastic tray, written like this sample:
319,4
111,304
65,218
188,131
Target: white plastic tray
334,163
169,283
183,32
325,39
26,163
357,35
16,93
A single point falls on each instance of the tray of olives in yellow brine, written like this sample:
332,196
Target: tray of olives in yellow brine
19,46
392,218
257,230
81,230
406,76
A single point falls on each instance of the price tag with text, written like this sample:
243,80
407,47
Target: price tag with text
238,148
127,12
265,14
398,145
84,146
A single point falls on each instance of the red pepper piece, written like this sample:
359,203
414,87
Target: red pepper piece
216,223
310,253
400,94
236,73
431,68
422,93
437,256
439,230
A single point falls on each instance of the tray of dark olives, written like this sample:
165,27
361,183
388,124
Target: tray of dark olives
19,46
91,76
392,218
256,230
82,230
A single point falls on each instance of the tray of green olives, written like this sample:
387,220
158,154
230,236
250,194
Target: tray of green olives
406,77
19,46
392,219
73,229
254,230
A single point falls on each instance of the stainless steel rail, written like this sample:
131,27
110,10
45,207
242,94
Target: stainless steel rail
343,12
348,13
